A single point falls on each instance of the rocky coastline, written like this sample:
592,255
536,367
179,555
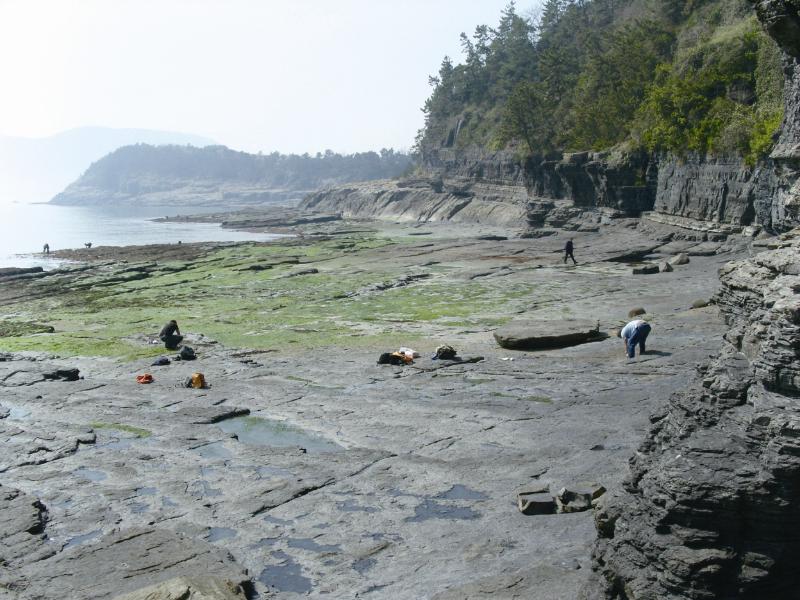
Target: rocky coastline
540,464
389,470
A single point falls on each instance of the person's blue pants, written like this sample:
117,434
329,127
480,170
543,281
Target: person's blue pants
639,337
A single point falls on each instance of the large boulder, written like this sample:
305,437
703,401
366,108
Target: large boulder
541,335
679,259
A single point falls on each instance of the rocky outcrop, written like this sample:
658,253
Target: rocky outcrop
425,200
708,510
547,334
707,196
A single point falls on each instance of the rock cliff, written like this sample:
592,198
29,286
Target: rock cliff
708,510
695,193
701,194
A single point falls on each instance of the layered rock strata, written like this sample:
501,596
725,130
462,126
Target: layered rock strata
709,196
708,510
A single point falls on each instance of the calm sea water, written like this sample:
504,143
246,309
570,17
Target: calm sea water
24,229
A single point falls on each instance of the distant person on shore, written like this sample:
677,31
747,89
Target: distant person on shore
634,333
46,249
568,248
88,244
171,335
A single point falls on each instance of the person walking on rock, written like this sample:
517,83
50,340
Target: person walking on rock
568,248
171,335
46,248
634,333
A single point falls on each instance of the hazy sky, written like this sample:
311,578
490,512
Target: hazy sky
287,75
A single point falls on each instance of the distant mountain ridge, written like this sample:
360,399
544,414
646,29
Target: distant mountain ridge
35,169
218,176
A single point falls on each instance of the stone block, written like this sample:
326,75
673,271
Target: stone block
665,267
536,503
539,335
645,270
679,259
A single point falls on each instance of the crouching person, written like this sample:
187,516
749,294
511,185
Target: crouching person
633,334
171,335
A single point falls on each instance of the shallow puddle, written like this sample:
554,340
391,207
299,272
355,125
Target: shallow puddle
90,474
214,450
285,577
362,565
462,492
17,413
274,472
216,534
268,432
433,510
80,539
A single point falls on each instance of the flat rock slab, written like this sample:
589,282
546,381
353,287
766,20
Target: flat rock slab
540,335
21,524
188,588
129,560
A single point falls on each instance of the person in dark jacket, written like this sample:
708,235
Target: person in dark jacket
171,335
568,252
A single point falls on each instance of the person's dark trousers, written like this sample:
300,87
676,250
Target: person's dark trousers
569,255
171,341
639,337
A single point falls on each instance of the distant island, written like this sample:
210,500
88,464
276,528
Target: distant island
142,174
34,169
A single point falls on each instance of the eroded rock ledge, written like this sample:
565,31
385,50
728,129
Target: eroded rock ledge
709,509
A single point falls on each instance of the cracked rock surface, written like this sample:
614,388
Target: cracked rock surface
323,474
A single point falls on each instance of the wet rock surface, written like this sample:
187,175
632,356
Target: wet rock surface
396,481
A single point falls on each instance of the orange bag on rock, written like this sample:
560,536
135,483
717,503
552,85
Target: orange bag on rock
146,378
198,380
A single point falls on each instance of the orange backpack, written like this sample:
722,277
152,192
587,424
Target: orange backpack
198,380
146,378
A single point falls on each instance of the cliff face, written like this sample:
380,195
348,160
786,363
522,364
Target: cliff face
709,508
696,193
781,19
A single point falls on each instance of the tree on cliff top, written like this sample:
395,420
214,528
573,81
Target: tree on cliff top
677,75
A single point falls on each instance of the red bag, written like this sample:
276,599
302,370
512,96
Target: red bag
146,378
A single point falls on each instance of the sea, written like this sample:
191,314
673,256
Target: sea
25,228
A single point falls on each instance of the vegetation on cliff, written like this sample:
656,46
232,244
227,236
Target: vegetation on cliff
676,75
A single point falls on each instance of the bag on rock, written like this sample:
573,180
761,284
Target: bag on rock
145,378
445,352
187,353
393,358
197,381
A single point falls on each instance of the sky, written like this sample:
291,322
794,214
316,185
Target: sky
255,75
